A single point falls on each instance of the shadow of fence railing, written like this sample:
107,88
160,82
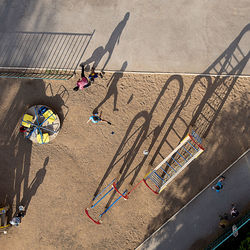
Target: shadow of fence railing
41,55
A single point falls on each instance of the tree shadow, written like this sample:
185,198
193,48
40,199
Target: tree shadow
112,88
226,149
15,150
215,93
37,55
101,51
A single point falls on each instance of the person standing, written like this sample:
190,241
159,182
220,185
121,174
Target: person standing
219,184
234,211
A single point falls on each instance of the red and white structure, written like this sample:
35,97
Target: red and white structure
189,149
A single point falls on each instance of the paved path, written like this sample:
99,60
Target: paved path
156,36
199,218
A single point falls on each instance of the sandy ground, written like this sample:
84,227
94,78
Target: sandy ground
56,182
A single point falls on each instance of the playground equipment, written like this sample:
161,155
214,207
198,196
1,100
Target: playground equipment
4,219
189,149
40,124
104,194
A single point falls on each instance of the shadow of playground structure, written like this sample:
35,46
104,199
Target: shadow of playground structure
213,97
138,131
15,150
216,91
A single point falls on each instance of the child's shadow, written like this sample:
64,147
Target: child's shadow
112,90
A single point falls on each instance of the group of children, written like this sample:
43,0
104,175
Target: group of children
16,220
224,220
84,83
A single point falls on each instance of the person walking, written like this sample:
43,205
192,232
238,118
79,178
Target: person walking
219,184
234,211
83,83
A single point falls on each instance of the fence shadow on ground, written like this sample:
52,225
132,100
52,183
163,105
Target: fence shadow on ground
41,54
216,91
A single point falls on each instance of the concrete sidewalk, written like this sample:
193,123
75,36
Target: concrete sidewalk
154,36
200,217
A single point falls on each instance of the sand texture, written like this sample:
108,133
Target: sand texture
57,181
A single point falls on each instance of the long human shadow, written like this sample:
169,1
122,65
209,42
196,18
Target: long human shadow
112,88
139,136
115,39
101,51
31,190
15,150
203,118
216,92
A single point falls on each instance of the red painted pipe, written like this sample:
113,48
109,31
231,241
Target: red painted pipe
87,212
150,187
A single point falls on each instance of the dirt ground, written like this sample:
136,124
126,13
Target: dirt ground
57,181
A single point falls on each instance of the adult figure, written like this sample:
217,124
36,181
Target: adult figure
114,39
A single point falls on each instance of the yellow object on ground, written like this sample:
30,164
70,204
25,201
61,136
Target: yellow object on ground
50,115
26,119
44,139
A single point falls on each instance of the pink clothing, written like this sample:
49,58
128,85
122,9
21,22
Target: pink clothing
82,83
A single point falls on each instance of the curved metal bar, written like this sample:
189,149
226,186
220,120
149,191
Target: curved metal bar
95,221
150,187
125,197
